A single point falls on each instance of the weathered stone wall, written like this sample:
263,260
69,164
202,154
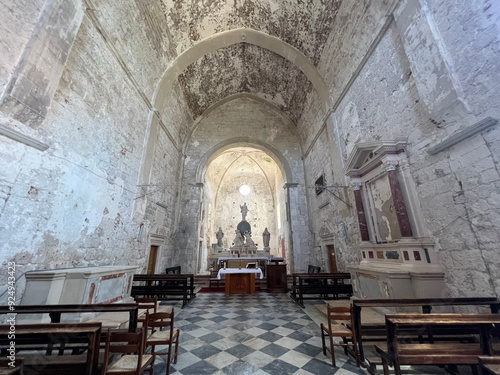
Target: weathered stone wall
427,67
75,204
17,24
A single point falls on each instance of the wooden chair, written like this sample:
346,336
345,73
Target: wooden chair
131,347
214,280
339,318
147,305
163,333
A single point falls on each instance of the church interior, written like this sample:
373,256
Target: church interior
360,137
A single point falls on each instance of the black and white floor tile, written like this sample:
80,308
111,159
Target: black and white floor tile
259,334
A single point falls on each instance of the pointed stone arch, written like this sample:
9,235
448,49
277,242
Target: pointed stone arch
241,35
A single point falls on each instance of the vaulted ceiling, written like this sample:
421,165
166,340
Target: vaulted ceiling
245,67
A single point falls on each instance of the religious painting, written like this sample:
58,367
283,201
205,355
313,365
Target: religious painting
383,210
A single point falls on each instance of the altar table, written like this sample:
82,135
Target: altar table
240,280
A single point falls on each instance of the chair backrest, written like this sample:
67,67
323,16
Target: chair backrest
161,320
313,269
147,303
340,315
124,343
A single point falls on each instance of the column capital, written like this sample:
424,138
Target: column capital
390,165
356,183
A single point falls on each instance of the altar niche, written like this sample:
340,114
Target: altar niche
243,245
397,257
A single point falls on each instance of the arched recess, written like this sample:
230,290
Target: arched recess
220,203
218,149
242,35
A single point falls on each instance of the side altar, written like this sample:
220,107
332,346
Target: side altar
397,258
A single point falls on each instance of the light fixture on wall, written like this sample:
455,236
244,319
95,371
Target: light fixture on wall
244,190
320,188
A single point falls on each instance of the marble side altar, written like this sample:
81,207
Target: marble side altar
84,285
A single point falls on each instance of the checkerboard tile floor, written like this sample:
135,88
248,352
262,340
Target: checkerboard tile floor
241,334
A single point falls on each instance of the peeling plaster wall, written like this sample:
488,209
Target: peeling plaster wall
305,27
73,205
245,68
457,188
17,22
240,119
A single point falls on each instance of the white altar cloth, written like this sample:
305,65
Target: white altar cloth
223,271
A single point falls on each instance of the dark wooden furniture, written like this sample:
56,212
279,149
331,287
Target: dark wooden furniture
338,318
163,333
55,348
404,349
240,283
376,330
214,280
55,311
319,286
165,287
146,305
276,279
130,347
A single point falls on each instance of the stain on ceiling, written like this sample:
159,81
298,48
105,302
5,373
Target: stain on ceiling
244,67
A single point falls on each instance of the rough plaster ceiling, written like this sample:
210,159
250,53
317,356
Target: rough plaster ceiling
246,68
242,163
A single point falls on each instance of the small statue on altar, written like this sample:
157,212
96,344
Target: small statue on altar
219,235
248,236
244,211
238,239
266,236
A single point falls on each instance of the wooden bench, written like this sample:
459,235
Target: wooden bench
49,348
319,286
404,349
165,287
55,311
376,332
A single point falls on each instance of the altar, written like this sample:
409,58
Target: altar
240,280
241,262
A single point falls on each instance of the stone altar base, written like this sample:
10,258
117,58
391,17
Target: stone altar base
84,285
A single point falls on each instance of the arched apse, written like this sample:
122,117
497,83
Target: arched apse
227,144
242,122
241,35
225,174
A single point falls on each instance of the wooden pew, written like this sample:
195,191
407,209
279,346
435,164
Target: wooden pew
49,348
425,304
55,311
319,286
404,349
165,287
